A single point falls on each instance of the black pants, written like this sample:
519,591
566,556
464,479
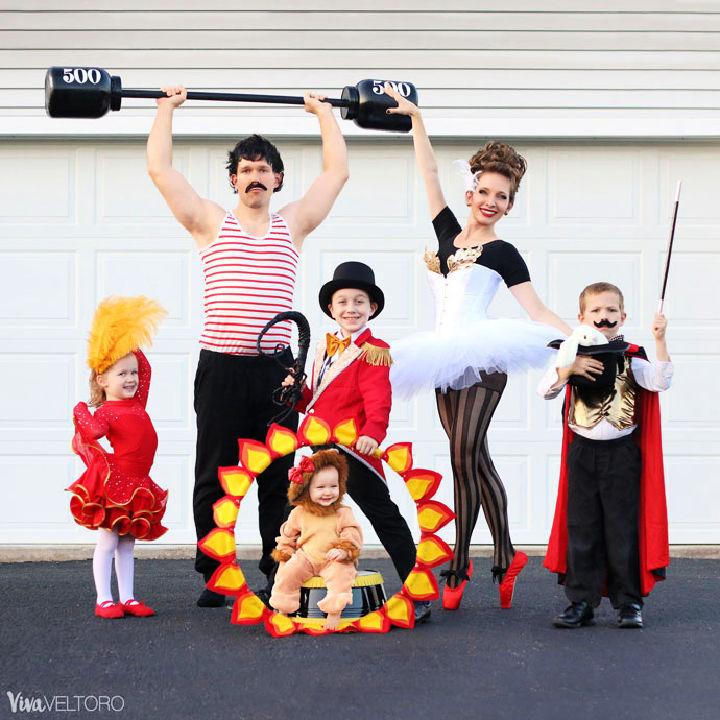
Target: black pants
603,505
372,497
233,399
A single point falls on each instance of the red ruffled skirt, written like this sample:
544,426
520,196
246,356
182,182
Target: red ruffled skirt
110,495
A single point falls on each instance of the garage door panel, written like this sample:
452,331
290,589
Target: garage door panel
380,189
170,401
403,416
692,287
570,272
599,186
124,192
40,392
174,473
163,276
37,187
697,169
681,406
35,505
38,289
692,487
553,413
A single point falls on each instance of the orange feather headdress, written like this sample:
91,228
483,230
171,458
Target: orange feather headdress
121,325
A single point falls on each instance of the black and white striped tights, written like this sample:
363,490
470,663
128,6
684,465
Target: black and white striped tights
465,415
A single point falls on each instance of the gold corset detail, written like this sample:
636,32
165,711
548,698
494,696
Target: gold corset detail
432,260
616,405
461,258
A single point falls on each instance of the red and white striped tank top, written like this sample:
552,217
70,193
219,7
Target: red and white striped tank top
248,281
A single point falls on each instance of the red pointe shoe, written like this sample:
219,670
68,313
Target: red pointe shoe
507,586
137,608
109,610
452,597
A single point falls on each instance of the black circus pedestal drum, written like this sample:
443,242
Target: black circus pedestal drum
368,595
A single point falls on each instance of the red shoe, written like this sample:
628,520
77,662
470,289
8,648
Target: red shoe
452,597
109,610
137,608
507,586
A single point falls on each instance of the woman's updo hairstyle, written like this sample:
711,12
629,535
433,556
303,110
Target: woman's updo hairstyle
500,158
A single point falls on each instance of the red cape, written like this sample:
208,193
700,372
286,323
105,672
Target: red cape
653,523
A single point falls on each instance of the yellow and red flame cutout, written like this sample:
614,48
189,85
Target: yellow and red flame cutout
235,481
432,551
314,431
225,512
433,515
228,579
281,441
254,458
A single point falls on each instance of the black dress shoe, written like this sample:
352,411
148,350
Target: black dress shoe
264,595
208,598
575,615
630,616
422,611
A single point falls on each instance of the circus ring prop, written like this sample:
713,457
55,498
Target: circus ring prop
254,458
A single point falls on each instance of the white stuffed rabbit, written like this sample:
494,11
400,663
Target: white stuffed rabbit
581,335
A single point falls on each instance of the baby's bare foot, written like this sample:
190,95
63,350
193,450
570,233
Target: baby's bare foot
332,621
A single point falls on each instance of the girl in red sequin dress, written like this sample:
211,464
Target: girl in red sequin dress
115,495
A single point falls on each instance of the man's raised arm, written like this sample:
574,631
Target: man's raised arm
305,214
200,217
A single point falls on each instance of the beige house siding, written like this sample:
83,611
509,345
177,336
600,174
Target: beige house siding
644,65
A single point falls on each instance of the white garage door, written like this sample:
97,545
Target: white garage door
79,221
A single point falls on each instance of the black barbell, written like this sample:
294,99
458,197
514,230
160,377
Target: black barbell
90,92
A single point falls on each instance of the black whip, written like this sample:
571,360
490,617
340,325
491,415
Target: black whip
288,396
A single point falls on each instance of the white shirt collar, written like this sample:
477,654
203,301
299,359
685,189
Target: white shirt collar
354,336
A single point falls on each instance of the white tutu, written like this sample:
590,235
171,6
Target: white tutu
454,358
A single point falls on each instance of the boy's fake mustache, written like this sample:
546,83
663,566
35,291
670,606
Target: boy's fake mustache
605,323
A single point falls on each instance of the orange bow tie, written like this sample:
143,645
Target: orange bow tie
335,345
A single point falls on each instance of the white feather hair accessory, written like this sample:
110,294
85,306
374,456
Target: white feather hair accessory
469,178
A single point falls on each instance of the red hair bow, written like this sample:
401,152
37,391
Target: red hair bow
296,473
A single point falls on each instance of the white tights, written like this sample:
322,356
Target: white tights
109,543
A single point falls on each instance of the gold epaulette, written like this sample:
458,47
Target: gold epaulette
374,355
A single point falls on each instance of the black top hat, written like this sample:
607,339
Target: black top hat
610,355
354,275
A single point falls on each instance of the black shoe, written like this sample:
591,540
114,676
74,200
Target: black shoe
264,595
630,616
208,598
575,615
422,611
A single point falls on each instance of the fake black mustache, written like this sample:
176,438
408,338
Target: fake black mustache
605,323
254,185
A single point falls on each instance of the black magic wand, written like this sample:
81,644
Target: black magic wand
661,303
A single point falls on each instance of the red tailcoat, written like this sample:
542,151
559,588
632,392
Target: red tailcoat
356,385
652,520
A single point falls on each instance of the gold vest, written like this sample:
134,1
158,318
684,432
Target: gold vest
616,405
